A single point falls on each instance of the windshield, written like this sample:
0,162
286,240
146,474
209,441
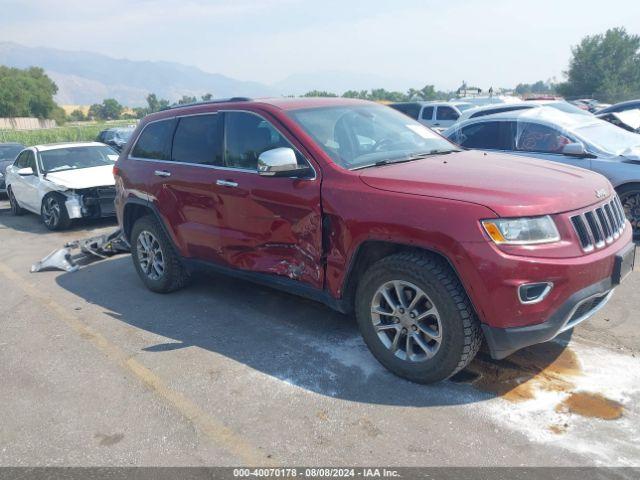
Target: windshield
357,136
609,138
9,152
123,133
73,158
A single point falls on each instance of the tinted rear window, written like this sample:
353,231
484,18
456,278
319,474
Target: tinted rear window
196,140
154,141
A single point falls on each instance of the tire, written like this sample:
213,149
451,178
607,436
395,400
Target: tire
455,335
16,209
630,199
150,249
53,212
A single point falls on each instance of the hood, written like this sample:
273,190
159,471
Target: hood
632,154
507,184
83,177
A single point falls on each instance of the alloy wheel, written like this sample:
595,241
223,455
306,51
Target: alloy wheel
150,255
406,321
51,211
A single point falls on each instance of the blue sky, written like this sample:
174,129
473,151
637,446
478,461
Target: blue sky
406,42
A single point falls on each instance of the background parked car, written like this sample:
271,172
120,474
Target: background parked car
627,119
61,182
8,153
549,134
487,100
115,137
433,114
510,107
621,107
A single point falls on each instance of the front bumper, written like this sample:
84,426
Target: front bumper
580,285
91,203
582,305
577,308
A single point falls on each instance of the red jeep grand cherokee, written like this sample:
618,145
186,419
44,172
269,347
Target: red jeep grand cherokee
357,206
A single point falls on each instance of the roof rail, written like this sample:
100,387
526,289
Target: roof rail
207,102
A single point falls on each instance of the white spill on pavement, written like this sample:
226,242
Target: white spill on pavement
543,419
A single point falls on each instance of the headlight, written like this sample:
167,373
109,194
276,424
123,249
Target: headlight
522,231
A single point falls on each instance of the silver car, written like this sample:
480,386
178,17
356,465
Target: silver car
549,134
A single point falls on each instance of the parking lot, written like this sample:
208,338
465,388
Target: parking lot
97,370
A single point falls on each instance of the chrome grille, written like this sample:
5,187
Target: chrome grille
600,226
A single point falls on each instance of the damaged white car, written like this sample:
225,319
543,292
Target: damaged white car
62,182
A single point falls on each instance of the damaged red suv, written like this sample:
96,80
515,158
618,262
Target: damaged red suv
357,206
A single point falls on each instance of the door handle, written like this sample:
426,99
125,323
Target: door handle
226,183
162,173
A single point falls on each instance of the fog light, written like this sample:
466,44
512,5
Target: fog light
534,292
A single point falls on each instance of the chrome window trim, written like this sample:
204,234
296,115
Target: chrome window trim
217,167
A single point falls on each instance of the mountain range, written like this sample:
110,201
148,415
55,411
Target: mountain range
84,78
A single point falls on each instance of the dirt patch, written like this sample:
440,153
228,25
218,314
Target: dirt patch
546,366
558,429
592,405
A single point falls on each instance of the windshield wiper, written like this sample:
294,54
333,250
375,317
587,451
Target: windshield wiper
416,156
409,158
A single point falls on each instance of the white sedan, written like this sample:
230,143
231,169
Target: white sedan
63,181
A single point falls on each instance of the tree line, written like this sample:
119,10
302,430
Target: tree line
604,66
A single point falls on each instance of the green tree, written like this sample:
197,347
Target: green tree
206,97
27,93
362,94
319,93
156,104
77,116
606,66
185,100
109,109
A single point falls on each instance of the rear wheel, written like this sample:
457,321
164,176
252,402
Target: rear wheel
54,212
630,199
16,209
416,318
154,257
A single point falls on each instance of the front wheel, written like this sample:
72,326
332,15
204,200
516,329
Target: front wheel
54,212
154,257
415,317
630,199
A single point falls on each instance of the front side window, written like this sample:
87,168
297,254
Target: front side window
196,140
74,158
410,109
427,113
484,136
21,160
446,113
357,136
246,137
154,143
532,137
30,161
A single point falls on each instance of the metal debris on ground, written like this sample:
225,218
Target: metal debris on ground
101,246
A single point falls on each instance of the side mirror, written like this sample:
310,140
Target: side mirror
25,172
574,150
280,162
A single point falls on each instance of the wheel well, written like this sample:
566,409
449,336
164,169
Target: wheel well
628,184
133,212
370,252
